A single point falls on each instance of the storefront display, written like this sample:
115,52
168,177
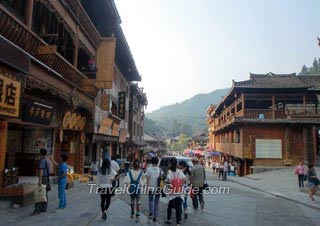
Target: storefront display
35,139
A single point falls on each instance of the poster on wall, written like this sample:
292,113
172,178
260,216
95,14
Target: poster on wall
14,141
35,139
268,148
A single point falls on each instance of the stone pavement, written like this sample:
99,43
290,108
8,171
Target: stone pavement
280,183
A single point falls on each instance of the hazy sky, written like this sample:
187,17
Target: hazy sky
185,47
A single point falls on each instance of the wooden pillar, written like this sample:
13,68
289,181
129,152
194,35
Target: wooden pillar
76,49
28,12
3,147
305,134
242,102
273,107
304,103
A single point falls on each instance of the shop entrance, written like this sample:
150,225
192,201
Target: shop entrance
23,147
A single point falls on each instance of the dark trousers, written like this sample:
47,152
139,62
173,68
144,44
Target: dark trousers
300,179
220,173
105,196
177,204
197,195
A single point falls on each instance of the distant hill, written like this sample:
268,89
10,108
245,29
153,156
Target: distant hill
187,117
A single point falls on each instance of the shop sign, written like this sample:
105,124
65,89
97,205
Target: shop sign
105,126
74,121
122,136
9,96
37,113
122,105
115,130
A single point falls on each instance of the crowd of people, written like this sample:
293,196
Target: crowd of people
178,175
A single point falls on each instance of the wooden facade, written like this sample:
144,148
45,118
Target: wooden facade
268,120
74,70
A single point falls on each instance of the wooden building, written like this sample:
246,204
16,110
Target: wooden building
138,102
46,51
65,75
199,142
268,121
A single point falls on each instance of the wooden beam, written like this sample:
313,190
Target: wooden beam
28,11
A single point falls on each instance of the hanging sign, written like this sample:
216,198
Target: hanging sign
122,105
73,121
105,126
9,96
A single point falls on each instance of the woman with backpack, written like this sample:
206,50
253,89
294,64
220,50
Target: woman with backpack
105,178
185,169
135,180
313,181
175,180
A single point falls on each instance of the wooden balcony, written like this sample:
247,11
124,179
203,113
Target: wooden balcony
233,149
79,13
15,31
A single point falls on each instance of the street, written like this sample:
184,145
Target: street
243,206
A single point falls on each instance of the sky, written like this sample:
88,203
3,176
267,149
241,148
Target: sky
185,47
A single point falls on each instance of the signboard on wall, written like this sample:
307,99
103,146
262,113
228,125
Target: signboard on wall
38,113
122,105
9,96
105,126
115,129
269,148
122,136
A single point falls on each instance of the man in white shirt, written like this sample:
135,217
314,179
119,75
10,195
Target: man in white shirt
153,174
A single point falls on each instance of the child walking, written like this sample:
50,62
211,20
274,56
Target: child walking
135,180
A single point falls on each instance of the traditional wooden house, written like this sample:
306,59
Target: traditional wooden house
199,142
138,102
268,121
116,70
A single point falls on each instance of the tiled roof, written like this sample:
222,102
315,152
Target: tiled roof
271,80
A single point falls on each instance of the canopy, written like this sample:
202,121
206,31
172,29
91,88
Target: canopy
197,152
214,153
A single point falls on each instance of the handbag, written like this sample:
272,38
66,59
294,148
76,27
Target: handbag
40,194
317,182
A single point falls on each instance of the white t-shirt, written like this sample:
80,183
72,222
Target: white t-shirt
115,166
170,177
153,174
105,180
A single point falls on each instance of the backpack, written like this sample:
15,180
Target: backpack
176,184
134,188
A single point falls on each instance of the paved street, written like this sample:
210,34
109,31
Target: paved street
243,206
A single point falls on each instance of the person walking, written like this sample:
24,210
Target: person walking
94,168
185,169
44,179
115,166
225,170
197,181
221,167
300,172
175,178
62,181
153,175
135,179
105,178
313,181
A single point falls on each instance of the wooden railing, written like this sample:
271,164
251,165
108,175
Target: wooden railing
234,149
15,31
79,13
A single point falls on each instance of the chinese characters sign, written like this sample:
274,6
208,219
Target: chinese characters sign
105,126
9,96
38,113
122,105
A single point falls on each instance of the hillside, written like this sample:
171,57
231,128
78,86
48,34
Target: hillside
187,117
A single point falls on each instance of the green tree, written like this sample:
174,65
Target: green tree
315,67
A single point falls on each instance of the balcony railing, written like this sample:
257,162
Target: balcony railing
79,13
15,31
233,149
